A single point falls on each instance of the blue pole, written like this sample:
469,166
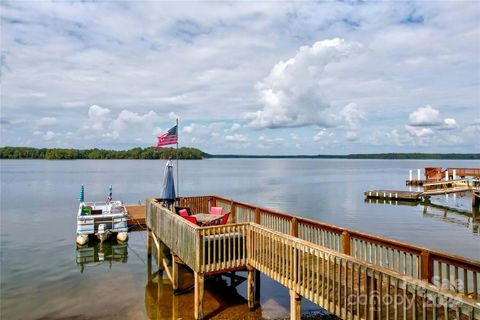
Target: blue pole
82,194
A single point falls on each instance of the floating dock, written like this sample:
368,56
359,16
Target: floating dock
351,274
395,195
136,215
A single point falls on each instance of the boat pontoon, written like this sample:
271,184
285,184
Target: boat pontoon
101,219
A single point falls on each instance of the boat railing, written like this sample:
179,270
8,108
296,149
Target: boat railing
446,271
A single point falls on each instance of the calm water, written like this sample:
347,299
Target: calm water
40,276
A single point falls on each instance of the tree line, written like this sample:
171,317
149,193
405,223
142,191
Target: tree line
193,153
69,154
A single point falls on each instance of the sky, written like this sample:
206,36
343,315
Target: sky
269,77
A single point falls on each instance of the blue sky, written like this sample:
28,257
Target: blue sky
244,77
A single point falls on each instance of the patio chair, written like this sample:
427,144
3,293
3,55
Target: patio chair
216,210
225,218
191,219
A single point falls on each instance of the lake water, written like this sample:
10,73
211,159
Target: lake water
41,279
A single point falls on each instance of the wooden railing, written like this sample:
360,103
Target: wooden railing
457,274
464,172
178,234
348,280
349,287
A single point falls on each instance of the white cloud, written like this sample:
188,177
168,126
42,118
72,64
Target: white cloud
98,117
235,127
351,136
236,138
323,135
418,132
37,133
46,121
290,94
352,115
49,135
449,124
426,116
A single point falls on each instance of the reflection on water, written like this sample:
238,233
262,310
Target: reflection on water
107,252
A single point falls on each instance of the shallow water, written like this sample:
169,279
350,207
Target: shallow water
41,276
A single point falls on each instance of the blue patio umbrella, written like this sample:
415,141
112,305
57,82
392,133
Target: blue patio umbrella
168,188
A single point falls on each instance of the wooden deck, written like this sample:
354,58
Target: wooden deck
136,215
351,274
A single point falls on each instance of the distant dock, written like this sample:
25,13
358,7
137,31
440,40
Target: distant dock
395,195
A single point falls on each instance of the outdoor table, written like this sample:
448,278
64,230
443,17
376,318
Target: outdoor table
206,219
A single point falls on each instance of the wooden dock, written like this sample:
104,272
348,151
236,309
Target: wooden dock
395,195
429,189
351,274
136,215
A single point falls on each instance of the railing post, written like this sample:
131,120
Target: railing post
346,243
294,227
214,202
426,271
233,211
257,215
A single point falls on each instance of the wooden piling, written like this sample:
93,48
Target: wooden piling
251,288
295,306
198,295
149,254
174,272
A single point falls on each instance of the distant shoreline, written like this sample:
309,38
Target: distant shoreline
196,154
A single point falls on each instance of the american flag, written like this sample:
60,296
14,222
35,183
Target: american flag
169,137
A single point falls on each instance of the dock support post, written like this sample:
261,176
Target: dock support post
198,295
454,174
174,273
149,254
410,175
251,288
257,286
295,305
418,175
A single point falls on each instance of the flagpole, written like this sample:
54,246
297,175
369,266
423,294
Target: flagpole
178,181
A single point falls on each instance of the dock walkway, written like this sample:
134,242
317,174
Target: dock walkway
352,274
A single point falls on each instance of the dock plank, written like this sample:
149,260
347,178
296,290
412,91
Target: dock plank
136,215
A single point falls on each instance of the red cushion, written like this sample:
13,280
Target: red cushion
183,212
191,219
216,210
